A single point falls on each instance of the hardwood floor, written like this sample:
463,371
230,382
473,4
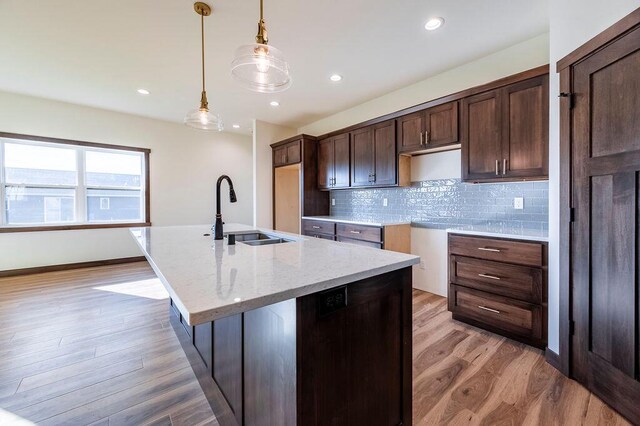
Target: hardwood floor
94,346
464,375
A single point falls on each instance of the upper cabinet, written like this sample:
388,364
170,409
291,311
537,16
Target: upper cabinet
374,161
431,128
505,132
333,162
286,154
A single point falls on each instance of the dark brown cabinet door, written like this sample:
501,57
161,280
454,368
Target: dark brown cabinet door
411,132
325,163
280,156
341,161
526,128
362,157
293,152
605,237
373,155
385,158
441,125
482,136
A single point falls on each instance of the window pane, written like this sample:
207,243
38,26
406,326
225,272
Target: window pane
39,165
39,205
109,169
104,205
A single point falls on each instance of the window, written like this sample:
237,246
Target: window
51,183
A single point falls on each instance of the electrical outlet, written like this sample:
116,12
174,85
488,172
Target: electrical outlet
384,202
422,265
333,201
518,203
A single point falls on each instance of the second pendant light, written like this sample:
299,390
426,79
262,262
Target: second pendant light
260,67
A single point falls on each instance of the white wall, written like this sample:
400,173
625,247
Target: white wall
264,134
572,23
184,166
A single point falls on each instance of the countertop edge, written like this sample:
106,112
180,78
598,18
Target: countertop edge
356,222
498,235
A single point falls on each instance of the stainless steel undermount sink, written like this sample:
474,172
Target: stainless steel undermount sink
259,239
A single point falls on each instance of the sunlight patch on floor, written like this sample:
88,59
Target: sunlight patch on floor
150,289
7,418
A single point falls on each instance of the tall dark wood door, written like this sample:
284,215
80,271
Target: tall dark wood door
385,158
606,233
525,130
341,161
482,136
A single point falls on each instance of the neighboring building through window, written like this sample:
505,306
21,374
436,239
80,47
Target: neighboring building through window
48,182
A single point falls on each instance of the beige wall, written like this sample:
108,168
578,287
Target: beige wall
264,134
520,57
572,23
184,166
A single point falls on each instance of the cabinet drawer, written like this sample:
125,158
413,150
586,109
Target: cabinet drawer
522,253
360,242
319,227
519,282
360,232
319,235
502,313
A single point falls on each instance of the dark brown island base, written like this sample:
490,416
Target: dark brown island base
336,357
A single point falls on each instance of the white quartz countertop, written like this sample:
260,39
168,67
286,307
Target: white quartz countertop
209,279
499,231
353,221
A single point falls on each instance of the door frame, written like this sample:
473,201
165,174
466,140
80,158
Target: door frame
562,360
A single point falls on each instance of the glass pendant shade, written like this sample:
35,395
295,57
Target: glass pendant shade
203,119
261,68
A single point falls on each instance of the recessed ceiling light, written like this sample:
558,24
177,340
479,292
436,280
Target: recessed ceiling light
274,103
236,126
143,91
335,77
433,24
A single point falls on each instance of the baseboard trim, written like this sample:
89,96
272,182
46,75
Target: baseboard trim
67,266
552,358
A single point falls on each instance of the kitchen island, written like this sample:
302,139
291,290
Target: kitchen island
303,331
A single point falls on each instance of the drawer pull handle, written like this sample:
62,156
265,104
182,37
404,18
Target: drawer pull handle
355,232
489,249
484,308
491,277
316,227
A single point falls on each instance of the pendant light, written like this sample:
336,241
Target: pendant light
202,118
259,67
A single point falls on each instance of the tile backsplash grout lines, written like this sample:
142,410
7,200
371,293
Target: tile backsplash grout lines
449,202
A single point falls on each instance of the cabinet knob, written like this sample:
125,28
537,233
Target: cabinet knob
491,277
504,166
497,167
489,249
421,138
426,137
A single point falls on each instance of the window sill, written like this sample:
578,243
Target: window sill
41,228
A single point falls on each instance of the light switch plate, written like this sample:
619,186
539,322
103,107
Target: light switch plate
384,202
518,203
333,201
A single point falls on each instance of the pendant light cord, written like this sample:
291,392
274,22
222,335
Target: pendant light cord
261,14
202,39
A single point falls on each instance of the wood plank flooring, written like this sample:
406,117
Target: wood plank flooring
94,346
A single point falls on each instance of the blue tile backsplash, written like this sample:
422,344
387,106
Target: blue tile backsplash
449,202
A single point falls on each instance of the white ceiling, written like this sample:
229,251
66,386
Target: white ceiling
98,53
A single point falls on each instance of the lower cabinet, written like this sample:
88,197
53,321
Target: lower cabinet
388,237
500,285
